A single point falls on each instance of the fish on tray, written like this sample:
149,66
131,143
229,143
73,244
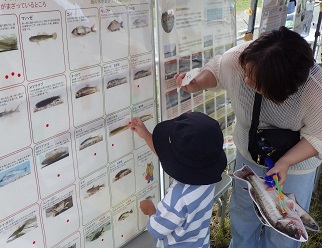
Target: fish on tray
42,37
87,90
48,103
291,223
115,26
82,30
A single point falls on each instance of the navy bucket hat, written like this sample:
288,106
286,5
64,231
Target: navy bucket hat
190,148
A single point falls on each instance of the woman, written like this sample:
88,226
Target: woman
280,66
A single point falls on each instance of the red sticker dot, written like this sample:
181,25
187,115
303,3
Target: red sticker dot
12,73
67,220
102,239
130,123
34,242
19,75
112,144
94,153
138,86
58,175
6,77
47,125
122,236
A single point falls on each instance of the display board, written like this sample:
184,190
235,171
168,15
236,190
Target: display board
190,33
72,75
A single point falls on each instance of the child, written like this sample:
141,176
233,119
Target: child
190,150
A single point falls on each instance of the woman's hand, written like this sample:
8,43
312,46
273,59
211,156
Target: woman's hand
280,169
191,87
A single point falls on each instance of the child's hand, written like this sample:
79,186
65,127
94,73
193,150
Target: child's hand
138,126
147,207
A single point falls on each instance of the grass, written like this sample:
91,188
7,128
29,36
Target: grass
220,237
245,4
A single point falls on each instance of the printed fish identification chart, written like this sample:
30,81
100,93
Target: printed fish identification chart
190,34
72,75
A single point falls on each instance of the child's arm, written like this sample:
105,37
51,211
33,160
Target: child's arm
147,207
138,126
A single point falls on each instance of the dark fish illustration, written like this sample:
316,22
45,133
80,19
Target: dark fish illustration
98,234
167,21
116,82
72,246
13,175
93,190
82,30
90,141
119,129
27,226
55,155
10,112
125,215
121,174
87,90
291,223
48,103
142,73
140,23
8,44
150,197
144,118
41,37
115,26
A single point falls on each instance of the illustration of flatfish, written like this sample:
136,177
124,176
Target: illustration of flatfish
10,112
87,90
42,37
144,118
121,174
142,73
116,82
115,26
125,215
48,103
8,44
13,175
140,23
90,141
83,30
55,155
119,129
27,226
94,189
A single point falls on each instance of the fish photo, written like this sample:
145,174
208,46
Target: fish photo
14,173
54,156
43,37
48,103
141,74
122,173
167,21
144,118
7,113
90,141
83,30
119,129
115,82
140,22
87,90
93,190
60,207
292,222
115,26
125,215
26,227
8,43
98,232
